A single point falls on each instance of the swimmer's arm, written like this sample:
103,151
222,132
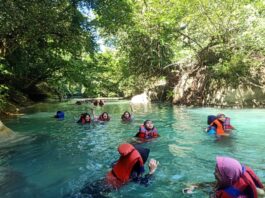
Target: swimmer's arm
143,180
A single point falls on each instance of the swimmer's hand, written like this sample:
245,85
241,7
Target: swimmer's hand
152,166
189,190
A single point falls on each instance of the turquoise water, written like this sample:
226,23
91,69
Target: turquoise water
65,155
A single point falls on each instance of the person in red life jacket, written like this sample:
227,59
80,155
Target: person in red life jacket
218,124
85,118
130,166
103,117
227,126
235,180
147,130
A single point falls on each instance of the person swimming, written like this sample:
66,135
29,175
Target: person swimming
217,125
85,118
235,180
147,130
103,117
59,115
129,167
126,116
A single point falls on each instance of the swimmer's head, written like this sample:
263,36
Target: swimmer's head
126,115
221,117
87,117
148,124
105,115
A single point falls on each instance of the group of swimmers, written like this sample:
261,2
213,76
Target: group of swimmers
233,180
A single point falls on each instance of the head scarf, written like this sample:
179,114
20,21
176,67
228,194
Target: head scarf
230,170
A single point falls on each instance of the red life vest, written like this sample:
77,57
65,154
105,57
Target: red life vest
120,173
248,181
126,119
144,133
219,127
100,118
83,120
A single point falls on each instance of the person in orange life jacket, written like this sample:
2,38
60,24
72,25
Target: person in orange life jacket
147,130
218,124
235,180
85,118
130,166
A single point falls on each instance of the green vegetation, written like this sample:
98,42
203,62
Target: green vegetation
52,46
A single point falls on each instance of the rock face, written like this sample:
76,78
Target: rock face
200,89
5,132
193,85
140,99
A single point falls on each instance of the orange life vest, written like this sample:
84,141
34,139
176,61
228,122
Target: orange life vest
120,173
219,127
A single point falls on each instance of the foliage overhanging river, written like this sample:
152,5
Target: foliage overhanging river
65,155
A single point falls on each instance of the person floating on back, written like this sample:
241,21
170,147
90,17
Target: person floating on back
235,180
85,118
147,130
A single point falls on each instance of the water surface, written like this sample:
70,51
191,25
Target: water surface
65,155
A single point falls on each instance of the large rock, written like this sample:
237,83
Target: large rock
140,99
5,132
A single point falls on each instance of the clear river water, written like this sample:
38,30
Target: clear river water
62,156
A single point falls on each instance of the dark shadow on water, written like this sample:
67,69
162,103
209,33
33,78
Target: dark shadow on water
97,189
14,184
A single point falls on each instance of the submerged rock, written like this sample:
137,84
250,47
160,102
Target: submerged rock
9,138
